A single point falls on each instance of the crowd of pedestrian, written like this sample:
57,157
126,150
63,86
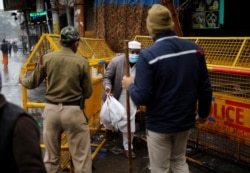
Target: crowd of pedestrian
7,48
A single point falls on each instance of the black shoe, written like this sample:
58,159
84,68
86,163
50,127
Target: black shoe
109,135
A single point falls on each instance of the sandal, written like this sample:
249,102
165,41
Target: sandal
126,153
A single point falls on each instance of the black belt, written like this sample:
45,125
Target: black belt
74,103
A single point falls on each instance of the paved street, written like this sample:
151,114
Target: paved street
11,87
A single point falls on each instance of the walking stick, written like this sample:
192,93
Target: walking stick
128,110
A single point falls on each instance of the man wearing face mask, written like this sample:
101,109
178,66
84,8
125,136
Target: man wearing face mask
68,82
115,70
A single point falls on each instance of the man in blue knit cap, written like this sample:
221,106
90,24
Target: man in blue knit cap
172,82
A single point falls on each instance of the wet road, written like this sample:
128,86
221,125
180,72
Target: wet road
107,160
11,87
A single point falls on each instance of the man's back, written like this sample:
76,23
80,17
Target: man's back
67,85
19,140
67,76
171,86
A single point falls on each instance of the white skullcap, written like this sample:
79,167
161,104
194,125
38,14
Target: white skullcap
134,45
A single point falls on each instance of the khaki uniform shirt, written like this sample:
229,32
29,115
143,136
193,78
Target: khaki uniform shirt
67,75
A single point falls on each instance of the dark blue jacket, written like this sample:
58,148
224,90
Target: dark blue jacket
172,82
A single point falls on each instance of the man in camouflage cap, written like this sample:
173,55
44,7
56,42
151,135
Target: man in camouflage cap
69,83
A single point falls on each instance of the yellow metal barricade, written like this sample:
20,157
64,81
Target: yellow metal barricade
98,54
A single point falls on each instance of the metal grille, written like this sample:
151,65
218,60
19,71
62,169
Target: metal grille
88,47
65,157
41,48
230,84
244,60
145,41
223,51
220,51
98,47
220,146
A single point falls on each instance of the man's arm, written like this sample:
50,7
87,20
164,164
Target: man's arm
109,75
35,79
205,90
87,83
26,146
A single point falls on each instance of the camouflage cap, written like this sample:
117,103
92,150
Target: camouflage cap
69,34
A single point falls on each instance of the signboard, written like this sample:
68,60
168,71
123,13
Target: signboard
229,116
207,14
37,16
18,4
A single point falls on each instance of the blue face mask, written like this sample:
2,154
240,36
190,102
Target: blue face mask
133,58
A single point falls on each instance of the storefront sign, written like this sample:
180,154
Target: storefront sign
17,4
207,14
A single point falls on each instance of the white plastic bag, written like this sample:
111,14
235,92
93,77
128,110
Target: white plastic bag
104,114
112,112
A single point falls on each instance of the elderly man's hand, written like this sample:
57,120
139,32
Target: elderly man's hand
108,91
126,81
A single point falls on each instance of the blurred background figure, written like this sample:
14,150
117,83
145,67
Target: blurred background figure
15,48
4,49
9,48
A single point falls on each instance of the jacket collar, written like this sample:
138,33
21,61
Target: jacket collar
165,35
66,49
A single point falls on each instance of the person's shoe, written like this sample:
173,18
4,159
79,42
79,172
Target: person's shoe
109,135
126,153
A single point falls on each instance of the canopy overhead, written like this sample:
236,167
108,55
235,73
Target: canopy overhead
132,2
119,20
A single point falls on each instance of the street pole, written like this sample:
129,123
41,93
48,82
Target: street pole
47,17
79,16
55,16
27,29
177,27
128,109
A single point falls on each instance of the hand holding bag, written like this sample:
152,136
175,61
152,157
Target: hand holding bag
112,112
